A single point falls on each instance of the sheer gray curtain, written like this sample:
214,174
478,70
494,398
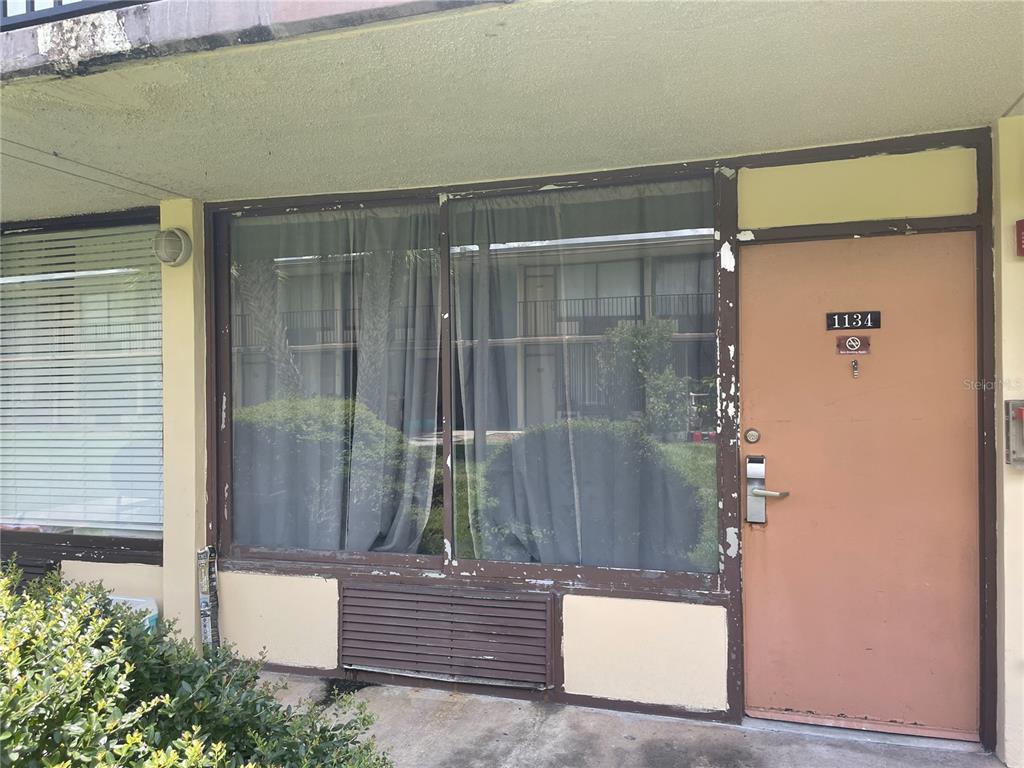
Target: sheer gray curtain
335,370
584,369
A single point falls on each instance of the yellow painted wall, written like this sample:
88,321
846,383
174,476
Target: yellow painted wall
651,651
122,579
1009,207
940,182
293,618
184,369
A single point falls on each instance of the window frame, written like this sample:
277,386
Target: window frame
714,587
54,547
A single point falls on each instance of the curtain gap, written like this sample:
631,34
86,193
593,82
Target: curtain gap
447,409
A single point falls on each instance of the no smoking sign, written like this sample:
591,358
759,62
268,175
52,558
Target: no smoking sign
853,345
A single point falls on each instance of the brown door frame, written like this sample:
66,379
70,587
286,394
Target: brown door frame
724,588
981,224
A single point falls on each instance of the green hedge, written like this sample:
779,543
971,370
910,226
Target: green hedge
82,683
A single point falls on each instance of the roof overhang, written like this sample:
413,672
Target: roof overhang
498,91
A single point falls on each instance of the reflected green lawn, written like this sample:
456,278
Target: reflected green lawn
696,462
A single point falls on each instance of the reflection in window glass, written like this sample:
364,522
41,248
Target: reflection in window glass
584,375
335,376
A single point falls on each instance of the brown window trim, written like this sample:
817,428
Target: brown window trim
971,138
219,255
803,232
724,170
432,569
31,545
689,588
60,546
329,557
146,215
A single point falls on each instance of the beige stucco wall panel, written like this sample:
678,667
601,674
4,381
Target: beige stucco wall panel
293,618
650,651
941,182
1009,207
122,579
184,401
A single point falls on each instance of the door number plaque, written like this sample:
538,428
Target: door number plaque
853,321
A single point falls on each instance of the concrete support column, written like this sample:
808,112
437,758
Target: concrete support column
185,398
1009,207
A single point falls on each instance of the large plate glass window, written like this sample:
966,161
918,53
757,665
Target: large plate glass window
81,387
335,340
584,377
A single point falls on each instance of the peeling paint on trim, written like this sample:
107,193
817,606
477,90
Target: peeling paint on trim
732,539
728,259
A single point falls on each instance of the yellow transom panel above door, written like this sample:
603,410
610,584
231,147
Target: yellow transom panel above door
940,182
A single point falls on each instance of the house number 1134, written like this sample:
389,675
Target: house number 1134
843,321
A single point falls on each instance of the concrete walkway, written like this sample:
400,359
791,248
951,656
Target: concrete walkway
424,728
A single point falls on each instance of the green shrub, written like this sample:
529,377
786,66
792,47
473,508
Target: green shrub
82,683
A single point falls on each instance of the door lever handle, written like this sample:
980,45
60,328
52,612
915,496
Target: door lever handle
768,494
756,492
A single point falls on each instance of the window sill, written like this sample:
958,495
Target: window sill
66,546
689,587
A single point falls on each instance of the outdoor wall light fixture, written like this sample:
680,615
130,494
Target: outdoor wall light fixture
172,246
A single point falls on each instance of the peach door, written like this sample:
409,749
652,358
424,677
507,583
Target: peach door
861,591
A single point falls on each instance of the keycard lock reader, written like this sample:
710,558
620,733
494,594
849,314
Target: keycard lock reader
757,494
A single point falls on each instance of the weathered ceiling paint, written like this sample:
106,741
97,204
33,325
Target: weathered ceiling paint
503,91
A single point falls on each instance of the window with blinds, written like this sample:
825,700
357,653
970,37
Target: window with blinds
81,386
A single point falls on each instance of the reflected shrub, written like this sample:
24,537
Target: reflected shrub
315,418
627,358
303,464
599,493
668,402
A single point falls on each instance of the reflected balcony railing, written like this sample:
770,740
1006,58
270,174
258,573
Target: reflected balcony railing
308,327
691,312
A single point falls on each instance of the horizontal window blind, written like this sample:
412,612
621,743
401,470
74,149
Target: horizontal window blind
81,385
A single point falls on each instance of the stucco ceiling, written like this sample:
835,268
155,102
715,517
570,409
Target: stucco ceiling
527,88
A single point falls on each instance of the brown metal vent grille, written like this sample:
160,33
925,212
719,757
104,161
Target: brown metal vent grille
473,636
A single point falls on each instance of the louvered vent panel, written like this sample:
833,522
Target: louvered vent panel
493,637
